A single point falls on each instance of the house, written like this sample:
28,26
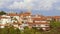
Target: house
43,25
15,17
38,22
24,17
9,18
49,18
56,18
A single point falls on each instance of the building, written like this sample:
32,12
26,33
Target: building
25,19
56,18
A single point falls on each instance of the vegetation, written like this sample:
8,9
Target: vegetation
2,12
55,29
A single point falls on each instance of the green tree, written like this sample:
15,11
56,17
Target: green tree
27,30
18,31
55,28
2,12
11,30
1,30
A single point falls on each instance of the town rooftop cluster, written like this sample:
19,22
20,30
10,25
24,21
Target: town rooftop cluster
27,19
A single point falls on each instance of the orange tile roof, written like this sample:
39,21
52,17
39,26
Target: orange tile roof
25,14
12,14
38,23
4,17
49,16
56,17
42,18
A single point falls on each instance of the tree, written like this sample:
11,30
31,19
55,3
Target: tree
18,31
1,31
27,30
2,13
55,28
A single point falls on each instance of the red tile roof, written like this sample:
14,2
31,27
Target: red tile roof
12,14
42,18
56,17
25,14
38,23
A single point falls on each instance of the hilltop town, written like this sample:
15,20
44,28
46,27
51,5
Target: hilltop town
27,19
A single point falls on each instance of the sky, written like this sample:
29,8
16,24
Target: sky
44,7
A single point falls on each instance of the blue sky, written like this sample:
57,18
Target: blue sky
44,7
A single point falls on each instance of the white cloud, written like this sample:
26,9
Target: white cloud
46,4
28,1
41,4
16,5
3,3
21,5
57,8
29,4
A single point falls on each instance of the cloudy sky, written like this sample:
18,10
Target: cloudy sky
45,7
